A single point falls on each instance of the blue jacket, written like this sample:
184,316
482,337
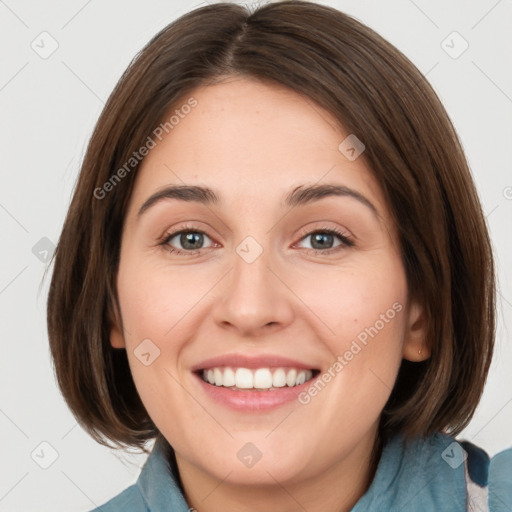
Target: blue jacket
436,474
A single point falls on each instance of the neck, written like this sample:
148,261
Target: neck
346,481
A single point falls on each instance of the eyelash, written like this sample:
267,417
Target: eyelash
346,241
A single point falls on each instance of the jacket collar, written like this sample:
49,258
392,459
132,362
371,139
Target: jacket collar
418,476
424,475
157,484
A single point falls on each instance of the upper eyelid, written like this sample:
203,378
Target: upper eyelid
309,231
305,232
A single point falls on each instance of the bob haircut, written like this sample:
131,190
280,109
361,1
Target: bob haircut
412,149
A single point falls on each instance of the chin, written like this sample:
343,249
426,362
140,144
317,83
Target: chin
264,471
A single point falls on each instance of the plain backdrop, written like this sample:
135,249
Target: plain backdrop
59,63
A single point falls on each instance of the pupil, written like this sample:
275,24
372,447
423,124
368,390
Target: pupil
189,238
318,238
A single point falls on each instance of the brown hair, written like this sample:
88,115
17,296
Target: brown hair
412,149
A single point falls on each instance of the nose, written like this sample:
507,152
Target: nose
254,298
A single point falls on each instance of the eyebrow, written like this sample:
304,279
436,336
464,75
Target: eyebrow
299,196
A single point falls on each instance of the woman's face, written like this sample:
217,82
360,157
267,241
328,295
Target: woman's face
259,276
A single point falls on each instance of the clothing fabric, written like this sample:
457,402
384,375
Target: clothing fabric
436,474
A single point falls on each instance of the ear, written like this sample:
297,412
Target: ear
116,330
415,347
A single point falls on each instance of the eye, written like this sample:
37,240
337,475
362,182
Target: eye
191,241
322,240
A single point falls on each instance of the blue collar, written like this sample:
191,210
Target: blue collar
424,475
157,484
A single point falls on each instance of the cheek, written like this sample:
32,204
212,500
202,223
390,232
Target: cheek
148,308
362,313
159,307
351,298
154,298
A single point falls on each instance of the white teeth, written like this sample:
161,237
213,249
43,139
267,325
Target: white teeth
291,377
279,378
229,377
217,377
243,379
261,378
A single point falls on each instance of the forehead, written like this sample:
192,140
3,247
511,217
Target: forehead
251,140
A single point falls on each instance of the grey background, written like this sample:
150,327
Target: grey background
48,110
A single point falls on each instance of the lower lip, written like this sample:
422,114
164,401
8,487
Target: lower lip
248,401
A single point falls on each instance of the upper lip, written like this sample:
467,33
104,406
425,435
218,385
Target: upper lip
244,361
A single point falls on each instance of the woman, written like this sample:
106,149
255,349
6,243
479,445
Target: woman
276,264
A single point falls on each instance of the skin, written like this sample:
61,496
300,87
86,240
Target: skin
253,143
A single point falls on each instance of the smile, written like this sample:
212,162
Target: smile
254,390
256,379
